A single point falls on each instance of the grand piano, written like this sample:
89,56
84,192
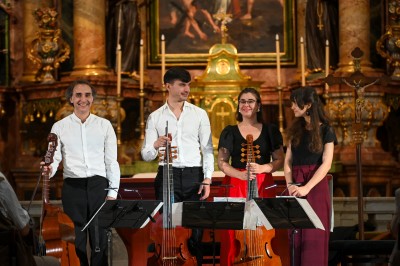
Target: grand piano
137,241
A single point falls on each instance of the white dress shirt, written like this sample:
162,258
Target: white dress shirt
87,149
191,134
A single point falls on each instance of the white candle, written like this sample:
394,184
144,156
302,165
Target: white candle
162,58
326,63
141,65
278,60
303,77
119,70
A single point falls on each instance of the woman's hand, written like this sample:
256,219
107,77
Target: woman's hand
298,191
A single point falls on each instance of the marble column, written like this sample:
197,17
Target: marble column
89,38
354,27
30,29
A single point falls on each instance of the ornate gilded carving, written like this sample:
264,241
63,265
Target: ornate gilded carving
388,45
40,110
217,89
47,50
341,108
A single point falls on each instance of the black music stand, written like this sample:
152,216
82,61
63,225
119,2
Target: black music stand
212,215
125,213
286,212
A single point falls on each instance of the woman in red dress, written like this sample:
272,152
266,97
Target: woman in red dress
230,159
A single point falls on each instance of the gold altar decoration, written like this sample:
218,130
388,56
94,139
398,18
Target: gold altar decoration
40,110
342,110
102,106
217,89
388,45
47,50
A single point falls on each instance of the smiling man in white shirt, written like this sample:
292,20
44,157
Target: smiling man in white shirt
190,130
87,146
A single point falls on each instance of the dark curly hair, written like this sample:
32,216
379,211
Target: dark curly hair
302,97
70,90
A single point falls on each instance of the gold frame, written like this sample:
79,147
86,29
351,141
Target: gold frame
190,57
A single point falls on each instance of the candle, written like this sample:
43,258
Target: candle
326,63
141,65
278,60
162,58
119,70
303,77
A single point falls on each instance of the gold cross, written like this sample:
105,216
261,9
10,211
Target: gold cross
222,114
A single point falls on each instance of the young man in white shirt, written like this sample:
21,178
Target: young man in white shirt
87,146
190,130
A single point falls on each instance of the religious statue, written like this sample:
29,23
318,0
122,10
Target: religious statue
123,27
321,25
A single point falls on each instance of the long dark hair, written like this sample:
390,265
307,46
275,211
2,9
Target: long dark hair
256,94
302,97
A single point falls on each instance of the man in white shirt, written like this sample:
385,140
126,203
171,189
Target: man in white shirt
87,145
190,130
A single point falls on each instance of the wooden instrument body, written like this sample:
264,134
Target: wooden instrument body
170,246
170,242
254,246
56,228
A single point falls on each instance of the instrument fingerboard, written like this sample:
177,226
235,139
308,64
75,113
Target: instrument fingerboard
168,181
252,153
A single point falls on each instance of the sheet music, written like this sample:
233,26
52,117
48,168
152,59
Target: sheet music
229,199
307,212
177,214
253,207
250,219
311,213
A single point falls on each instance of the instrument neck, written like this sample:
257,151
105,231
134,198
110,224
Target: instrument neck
252,187
168,188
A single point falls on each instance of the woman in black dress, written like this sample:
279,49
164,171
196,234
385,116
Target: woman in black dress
308,159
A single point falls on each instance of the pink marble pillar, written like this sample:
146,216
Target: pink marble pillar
354,26
30,29
89,38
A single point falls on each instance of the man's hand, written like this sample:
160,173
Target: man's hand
110,198
161,142
205,188
45,169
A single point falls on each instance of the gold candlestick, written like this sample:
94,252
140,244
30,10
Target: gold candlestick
163,65
141,93
326,65
303,75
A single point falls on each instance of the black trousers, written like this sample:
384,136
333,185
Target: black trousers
186,185
81,197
